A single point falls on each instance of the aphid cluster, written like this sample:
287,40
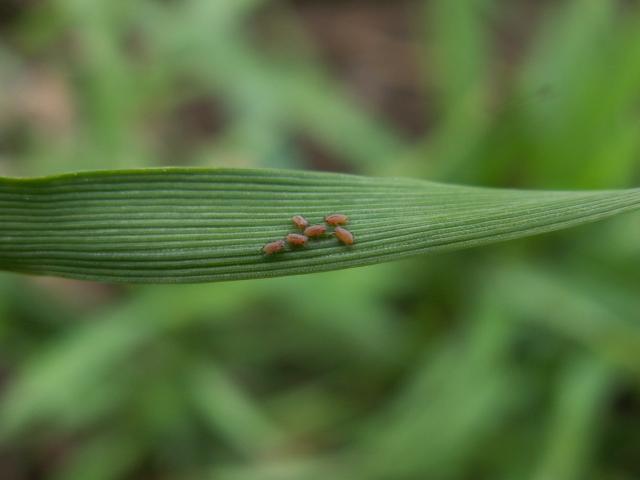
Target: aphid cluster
295,240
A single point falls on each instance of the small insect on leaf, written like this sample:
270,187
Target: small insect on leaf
274,247
315,231
300,222
297,240
344,235
336,219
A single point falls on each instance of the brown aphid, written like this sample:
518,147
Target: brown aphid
297,240
336,219
274,247
315,231
300,222
344,235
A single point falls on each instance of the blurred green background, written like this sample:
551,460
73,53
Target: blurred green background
519,361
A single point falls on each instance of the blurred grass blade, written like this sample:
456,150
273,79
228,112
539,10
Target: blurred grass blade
198,225
580,402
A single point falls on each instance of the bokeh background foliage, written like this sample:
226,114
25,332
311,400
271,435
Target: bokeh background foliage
514,361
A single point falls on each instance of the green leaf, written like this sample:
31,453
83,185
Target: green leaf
201,225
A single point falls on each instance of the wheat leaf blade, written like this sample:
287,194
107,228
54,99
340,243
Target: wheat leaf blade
200,225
